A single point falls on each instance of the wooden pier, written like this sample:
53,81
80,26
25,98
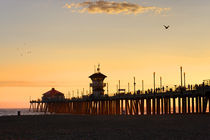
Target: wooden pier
169,102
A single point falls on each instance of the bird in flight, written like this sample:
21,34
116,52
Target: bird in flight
166,27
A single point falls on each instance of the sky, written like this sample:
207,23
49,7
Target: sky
56,43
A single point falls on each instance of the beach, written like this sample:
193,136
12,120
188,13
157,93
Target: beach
85,127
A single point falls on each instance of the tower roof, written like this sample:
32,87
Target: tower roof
53,92
97,75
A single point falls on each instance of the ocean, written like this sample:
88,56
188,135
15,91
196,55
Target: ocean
23,111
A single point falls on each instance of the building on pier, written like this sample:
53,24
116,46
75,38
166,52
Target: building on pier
97,84
53,95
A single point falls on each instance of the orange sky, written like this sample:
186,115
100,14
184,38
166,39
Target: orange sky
44,44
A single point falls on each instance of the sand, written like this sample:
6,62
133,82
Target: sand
87,127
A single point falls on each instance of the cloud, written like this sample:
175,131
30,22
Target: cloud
111,7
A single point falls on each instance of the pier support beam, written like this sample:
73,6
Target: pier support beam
188,103
196,100
200,104
158,105
142,107
162,107
122,109
179,104
174,105
153,106
137,107
183,104
169,105
192,104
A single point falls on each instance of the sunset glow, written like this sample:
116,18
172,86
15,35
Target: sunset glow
53,43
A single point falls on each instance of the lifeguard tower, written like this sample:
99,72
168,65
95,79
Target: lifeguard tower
97,84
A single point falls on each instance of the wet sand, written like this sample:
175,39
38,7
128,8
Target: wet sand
84,127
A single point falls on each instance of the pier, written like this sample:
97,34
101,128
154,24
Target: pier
181,100
169,102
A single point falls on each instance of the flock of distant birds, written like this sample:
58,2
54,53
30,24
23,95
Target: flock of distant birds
26,51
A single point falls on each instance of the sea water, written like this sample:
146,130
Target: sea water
23,111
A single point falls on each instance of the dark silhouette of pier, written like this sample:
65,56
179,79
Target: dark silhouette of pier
182,100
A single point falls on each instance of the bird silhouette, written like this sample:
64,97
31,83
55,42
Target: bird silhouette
166,27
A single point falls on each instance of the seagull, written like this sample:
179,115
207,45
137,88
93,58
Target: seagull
166,26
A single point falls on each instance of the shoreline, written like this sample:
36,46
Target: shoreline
68,114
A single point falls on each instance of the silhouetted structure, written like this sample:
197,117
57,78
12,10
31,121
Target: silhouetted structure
169,102
97,83
53,95
195,99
